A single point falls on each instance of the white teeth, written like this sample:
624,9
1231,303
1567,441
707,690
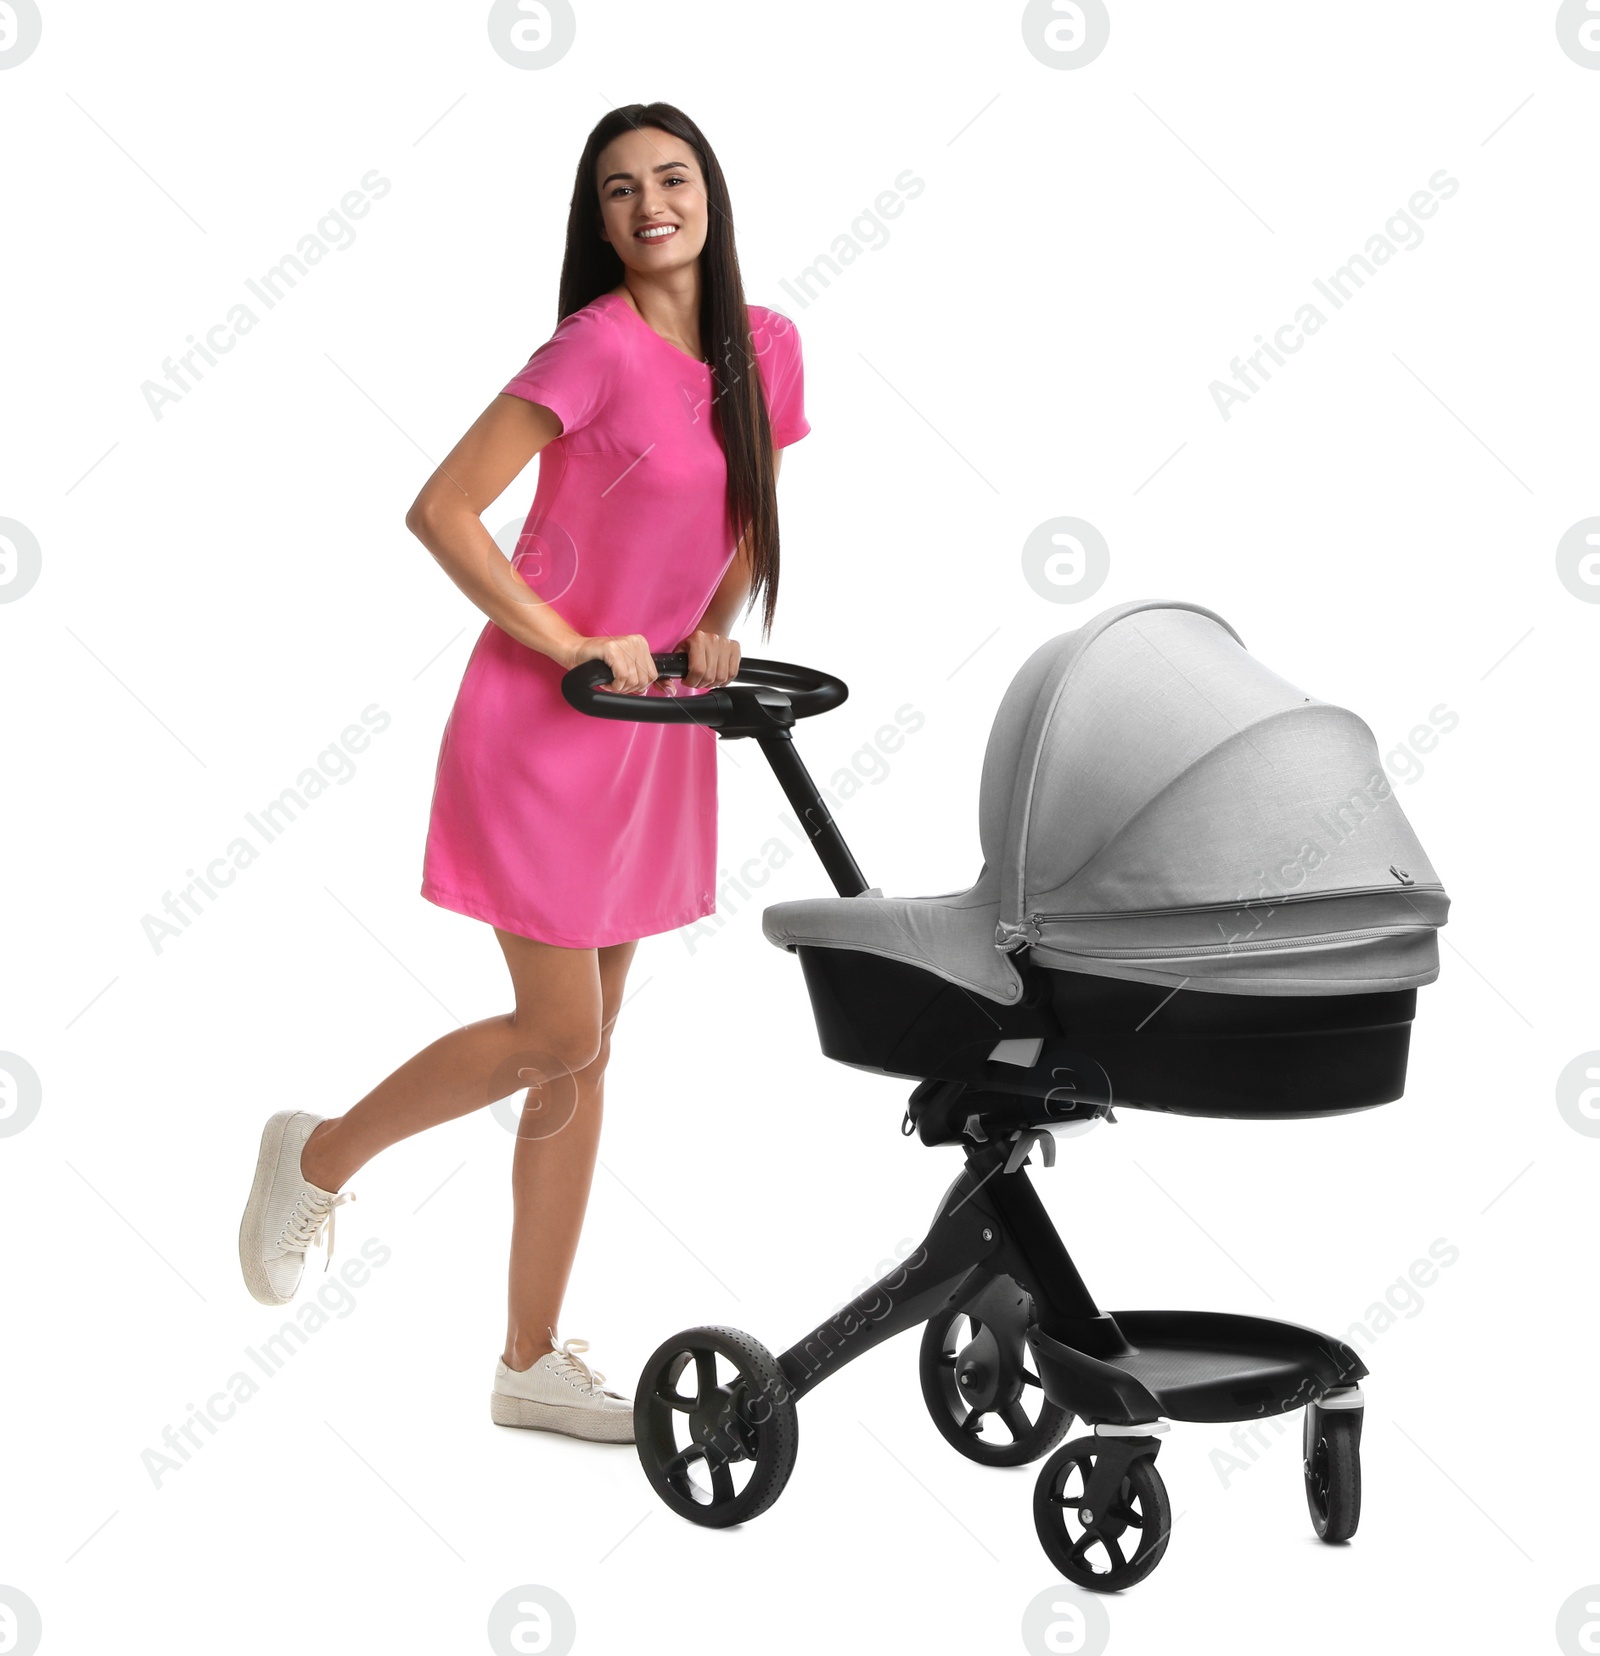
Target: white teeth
656,235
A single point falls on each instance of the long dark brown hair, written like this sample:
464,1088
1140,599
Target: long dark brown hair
592,266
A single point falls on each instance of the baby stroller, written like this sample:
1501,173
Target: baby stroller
1199,894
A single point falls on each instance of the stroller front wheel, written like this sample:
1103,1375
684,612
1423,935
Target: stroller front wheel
1332,1454
720,1451
1102,1551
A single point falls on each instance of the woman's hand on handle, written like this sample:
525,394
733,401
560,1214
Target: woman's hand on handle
633,668
713,660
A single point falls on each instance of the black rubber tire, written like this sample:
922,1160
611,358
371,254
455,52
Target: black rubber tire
1142,1499
939,1370
1331,1454
752,1418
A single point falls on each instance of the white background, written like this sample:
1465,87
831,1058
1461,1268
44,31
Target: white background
225,588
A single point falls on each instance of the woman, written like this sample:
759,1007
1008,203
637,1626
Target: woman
658,406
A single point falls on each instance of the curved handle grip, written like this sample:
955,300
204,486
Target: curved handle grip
806,691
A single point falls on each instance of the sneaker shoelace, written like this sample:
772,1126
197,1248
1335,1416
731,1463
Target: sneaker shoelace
567,1358
310,1220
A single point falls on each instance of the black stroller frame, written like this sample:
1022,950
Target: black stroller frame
992,1258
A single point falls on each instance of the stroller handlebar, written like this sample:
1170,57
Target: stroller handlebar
763,700
781,691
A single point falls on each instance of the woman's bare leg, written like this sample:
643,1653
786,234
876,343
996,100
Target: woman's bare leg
554,1031
551,1171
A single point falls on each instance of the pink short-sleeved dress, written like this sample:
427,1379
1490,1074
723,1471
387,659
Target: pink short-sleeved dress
545,822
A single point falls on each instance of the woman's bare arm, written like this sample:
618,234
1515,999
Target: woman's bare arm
447,517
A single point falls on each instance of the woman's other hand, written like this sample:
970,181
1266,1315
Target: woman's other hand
713,660
633,668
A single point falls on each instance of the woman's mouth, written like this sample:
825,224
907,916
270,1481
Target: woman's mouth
656,233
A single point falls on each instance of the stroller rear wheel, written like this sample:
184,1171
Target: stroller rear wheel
1108,1550
1332,1452
722,1450
975,1378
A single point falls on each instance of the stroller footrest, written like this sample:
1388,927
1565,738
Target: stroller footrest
1195,1365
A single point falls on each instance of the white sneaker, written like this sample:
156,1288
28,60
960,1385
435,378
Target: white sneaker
286,1214
561,1393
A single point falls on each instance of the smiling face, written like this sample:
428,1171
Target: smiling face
652,200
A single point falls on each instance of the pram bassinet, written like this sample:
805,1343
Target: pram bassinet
1199,894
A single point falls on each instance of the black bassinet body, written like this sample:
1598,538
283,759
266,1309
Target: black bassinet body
1199,894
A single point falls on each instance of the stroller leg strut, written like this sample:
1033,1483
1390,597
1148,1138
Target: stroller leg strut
989,1223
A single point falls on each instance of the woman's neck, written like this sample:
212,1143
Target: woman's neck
670,306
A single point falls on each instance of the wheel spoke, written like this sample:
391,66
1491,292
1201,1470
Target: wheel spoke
674,1401
680,1461
705,1369
721,1482
1029,1378
1017,1421
1113,1552
973,1424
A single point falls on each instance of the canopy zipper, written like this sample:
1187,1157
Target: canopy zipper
1035,917
1263,944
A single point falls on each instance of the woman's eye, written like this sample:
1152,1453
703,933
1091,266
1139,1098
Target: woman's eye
672,178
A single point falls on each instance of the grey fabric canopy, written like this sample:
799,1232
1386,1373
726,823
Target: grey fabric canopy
1157,805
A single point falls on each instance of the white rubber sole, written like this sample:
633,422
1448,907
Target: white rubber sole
609,1426
250,1244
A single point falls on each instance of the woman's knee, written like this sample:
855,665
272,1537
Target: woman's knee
573,1044
596,1066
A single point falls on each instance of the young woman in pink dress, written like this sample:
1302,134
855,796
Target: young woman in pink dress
658,408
